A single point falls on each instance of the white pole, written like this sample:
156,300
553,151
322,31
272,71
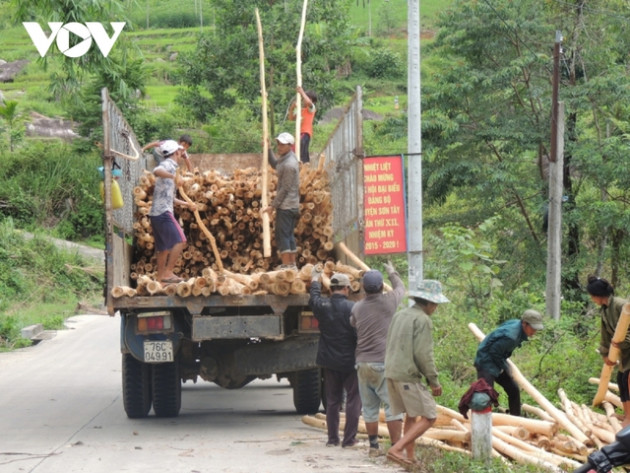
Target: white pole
481,435
414,145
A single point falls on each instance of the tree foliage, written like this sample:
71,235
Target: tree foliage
224,68
9,114
486,120
78,81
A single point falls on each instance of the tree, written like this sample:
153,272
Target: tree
486,122
74,85
224,68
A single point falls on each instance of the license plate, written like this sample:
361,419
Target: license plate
158,352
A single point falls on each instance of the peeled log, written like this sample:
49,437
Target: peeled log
533,426
515,431
521,456
614,400
537,452
537,411
612,417
572,414
613,386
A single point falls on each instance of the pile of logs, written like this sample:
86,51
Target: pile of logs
281,282
229,206
554,439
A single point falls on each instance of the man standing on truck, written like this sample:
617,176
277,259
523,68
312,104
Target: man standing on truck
185,141
287,200
309,98
335,354
372,316
168,234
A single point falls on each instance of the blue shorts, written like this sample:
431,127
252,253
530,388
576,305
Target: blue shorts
286,219
373,391
166,231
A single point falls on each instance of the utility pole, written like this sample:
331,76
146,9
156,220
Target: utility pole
556,164
414,146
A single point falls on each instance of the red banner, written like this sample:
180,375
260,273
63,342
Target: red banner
384,205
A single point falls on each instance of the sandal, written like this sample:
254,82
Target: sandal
400,460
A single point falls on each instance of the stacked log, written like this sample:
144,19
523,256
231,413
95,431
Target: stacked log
229,213
280,282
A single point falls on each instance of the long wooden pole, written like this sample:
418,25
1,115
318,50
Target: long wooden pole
298,73
356,260
264,200
204,229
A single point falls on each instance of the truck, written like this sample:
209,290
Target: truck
229,340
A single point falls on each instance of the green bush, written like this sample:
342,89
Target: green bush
384,63
50,184
37,278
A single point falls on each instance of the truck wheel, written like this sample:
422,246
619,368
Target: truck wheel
307,391
136,381
167,389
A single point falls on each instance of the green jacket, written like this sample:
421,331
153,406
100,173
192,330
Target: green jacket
610,316
409,352
496,348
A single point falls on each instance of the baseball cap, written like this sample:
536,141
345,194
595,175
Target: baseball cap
285,138
372,280
429,290
339,279
533,318
169,147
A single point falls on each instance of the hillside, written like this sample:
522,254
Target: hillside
160,36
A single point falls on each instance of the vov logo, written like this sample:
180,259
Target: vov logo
87,32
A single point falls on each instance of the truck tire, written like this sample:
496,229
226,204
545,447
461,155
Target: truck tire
307,391
136,381
167,389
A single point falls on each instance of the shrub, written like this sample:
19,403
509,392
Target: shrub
384,63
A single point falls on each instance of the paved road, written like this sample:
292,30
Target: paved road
62,411
84,250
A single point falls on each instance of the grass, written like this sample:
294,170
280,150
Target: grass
41,284
389,17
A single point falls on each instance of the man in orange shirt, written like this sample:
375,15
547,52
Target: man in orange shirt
309,99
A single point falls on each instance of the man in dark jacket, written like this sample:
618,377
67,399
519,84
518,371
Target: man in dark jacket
496,348
335,354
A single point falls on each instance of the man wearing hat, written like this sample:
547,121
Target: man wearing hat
287,200
408,363
335,354
372,316
497,347
169,236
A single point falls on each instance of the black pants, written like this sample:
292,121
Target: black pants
509,386
336,382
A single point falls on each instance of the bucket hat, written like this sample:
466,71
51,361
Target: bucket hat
429,290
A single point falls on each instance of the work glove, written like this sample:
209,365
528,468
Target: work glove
316,273
389,267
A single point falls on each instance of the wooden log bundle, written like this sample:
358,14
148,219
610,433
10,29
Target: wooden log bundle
225,235
280,282
229,206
